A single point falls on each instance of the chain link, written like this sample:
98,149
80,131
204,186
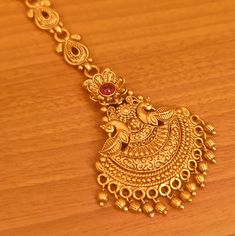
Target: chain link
75,53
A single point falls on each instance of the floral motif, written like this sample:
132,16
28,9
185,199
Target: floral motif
125,112
135,124
106,88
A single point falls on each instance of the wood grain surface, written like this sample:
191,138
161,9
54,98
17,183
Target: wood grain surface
179,52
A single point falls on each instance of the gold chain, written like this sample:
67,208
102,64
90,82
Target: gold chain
75,53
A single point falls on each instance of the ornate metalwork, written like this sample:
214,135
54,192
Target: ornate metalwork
75,53
153,155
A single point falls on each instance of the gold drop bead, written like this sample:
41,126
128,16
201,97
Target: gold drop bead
103,197
120,203
210,156
160,208
186,196
191,187
210,129
148,209
135,206
200,179
210,144
203,167
176,202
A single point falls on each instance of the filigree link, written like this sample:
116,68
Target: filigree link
75,53
61,35
91,71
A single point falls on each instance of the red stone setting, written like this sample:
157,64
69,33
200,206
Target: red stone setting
107,89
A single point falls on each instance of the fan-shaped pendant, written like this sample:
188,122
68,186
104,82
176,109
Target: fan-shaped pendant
153,155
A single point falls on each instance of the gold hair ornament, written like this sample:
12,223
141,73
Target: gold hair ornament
154,156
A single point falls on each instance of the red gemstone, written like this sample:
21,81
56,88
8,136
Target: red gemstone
107,89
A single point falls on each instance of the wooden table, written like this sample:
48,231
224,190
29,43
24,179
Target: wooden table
179,52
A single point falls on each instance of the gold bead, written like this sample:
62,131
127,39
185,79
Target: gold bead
120,203
210,144
191,187
103,197
79,67
210,129
135,206
103,109
105,119
203,167
125,208
160,208
102,159
200,179
58,29
130,92
210,156
148,209
186,196
176,202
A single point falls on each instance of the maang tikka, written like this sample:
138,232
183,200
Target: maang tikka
153,156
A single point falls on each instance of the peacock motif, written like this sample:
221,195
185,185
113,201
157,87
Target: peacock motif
152,153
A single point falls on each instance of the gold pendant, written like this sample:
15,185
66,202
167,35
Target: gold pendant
153,155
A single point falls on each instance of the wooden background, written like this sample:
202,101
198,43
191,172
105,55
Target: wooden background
178,52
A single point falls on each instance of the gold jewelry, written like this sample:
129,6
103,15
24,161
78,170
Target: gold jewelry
153,154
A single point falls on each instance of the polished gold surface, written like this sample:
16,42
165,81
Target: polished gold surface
152,154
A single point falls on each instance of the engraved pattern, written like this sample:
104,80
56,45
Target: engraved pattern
153,152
